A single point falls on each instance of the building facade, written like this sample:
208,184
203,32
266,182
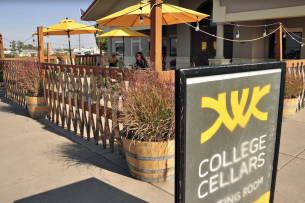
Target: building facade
189,48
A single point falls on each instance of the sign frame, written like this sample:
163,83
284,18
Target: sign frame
181,75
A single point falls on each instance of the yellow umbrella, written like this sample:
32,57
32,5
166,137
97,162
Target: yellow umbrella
133,15
123,32
68,27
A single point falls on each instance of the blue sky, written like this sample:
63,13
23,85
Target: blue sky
20,18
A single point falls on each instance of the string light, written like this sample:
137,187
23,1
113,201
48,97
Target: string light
33,40
197,25
141,17
237,32
289,33
265,33
97,34
284,35
232,40
47,32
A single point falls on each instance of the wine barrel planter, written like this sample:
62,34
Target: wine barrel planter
150,161
36,107
289,108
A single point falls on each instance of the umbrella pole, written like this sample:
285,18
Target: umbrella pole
70,47
123,49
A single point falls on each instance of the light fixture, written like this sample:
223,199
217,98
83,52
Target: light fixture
265,33
197,25
48,33
33,41
284,35
302,44
141,17
97,34
237,32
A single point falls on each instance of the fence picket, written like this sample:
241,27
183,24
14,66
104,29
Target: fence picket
77,120
99,126
71,117
84,117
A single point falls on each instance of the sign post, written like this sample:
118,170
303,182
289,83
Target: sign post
228,125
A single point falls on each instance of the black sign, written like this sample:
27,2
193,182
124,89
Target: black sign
228,123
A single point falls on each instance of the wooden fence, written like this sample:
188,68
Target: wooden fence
297,67
83,99
87,60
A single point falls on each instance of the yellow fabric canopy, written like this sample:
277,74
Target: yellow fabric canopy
130,17
123,32
64,26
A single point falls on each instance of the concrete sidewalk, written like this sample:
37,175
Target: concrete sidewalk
290,181
42,162
39,163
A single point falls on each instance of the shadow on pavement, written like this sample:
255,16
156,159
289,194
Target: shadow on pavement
91,190
74,154
71,153
9,108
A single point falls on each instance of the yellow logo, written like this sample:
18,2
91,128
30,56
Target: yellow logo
237,108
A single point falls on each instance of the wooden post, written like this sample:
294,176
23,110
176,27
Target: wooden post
1,48
40,45
156,36
41,50
279,40
101,48
48,52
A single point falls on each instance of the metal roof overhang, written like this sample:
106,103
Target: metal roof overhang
98,9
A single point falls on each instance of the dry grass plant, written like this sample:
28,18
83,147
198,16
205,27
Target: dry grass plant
31,78
293,86
148,112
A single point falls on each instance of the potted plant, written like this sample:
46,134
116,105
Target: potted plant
293,88
148,118
31,79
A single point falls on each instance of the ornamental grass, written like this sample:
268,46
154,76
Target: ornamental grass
30,78
148,112
293,86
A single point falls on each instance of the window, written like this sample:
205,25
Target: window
119,49
164,47
173,47
135,46
291,48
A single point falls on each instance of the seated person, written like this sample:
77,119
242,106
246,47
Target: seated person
100,61
112,60
106,57
141,62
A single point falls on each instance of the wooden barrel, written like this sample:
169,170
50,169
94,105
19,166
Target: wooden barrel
289,108
36,107
150,161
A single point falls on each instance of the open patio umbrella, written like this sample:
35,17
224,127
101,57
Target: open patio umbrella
123,32
68,27
138,15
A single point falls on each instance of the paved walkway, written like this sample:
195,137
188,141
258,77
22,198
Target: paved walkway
42,162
